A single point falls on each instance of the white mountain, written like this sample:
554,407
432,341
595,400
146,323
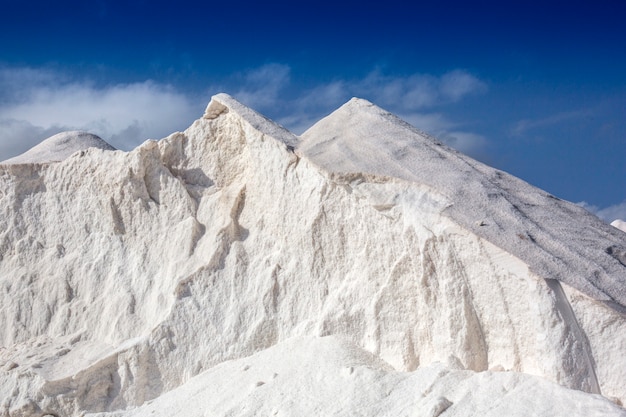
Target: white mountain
362,269
58,147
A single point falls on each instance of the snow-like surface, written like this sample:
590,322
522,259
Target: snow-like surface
332,377
620,224
59,147
146,282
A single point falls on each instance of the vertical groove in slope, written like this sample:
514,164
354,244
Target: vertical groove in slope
567,313
506,306
476,339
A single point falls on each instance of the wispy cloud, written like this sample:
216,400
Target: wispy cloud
262,87
418,91
525,126
457,84
270,84
38,103
270,90
441,127
608,214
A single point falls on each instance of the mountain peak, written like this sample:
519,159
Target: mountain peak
362,137
223,103
58,147
357,102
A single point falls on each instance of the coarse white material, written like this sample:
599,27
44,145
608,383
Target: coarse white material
58,147
361,270
332,377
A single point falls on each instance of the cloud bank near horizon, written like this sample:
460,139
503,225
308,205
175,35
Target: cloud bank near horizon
269,89
37,103
608,214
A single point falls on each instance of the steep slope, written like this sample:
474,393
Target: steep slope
124,275
519,218
58,147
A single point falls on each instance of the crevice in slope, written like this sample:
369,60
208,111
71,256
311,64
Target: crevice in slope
475,342
567,313
618,253
153,187
506,306
118,222
226,236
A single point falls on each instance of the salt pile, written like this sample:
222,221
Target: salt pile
58,147
362,269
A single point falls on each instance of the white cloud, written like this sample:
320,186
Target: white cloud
522,127
429,122
17,136
418,91
413,92
270,85
437,125
465,142
261,87
457,84
269,89
300,113
608,214
40,103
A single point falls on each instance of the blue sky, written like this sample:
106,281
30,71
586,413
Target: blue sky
535,89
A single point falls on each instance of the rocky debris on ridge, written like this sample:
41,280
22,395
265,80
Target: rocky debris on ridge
235,269
59,147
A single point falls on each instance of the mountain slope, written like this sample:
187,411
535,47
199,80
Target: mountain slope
519,218
125,275
58,147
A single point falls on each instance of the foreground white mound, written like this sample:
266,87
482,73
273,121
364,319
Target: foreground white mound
152,278
58,147
331,377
